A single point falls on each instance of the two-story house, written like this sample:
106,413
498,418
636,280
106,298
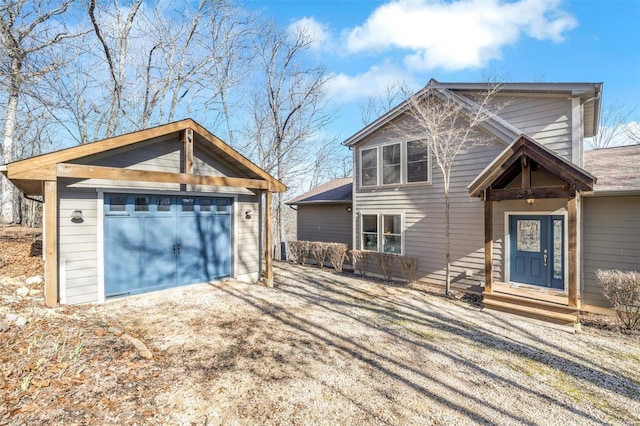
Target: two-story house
529,223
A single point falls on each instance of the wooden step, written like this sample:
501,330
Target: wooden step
539,313
532,303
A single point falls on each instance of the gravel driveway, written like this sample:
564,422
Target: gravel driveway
322,348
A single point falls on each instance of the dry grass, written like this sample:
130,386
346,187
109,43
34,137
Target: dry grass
320,348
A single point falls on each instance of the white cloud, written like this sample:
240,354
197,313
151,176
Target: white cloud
318,32
460,34
373,82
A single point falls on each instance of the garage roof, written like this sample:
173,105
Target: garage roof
28,174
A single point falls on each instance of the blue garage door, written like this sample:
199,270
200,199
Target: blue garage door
153,242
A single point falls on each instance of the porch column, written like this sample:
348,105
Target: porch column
268,253
572,246
488,246
50,223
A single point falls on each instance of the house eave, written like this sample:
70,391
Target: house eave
323,202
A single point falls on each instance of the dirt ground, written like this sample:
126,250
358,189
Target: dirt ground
319,348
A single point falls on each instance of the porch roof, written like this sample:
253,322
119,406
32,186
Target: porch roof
522,150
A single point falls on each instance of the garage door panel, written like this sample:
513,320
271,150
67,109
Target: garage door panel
124,245
158,255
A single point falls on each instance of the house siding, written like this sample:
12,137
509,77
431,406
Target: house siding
78,242
611,240
547,119
422,207
327,223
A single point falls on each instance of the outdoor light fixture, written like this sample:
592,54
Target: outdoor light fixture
247,214
530,201
76,216
349,209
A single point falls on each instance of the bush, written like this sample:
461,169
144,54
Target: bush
385,262
622,288
318,252
409,268
337,253
362,261
299,250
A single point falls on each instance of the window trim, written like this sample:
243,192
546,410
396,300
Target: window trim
362,150
404,166
380,224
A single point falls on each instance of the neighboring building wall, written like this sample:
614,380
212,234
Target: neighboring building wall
78,242
611,240
422,207
327,223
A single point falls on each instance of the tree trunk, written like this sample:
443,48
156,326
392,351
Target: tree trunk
7,194
447,203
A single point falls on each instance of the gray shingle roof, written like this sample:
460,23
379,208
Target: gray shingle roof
617,168
334,191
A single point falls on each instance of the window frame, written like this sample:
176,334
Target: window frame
380,229
362,184
404,166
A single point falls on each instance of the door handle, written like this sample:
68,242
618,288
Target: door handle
545,256
178,248
174,249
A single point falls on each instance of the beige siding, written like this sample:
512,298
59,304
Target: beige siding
78,245
247,235
422,207
327,223
547,119
611,240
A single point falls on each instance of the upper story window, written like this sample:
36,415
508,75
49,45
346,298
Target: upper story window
369,166
417,162
396,164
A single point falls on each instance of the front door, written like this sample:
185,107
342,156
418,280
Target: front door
537,250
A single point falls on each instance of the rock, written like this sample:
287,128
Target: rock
11,318
116,331
4,326
34,280
35,292
9,299
22,291
142,349
20,321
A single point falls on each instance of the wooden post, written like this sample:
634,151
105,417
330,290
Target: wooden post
526,172
188,151
50,221
572,227
268,252
488,246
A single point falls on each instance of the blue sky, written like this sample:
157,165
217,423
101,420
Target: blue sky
369,44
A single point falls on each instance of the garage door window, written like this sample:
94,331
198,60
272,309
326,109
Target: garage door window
188,204
118,203
222,205
164,204
142,204
205,205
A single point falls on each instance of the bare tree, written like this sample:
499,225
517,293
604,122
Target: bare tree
448,124
375,106
632,130
289,107
29,30
612,125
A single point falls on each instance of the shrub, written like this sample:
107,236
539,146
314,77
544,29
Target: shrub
622,288
337,253
385,262
318,252
299,251
362,261
409,268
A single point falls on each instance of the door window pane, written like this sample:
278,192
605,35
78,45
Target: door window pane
391,164
370,232
142,204
222,205
117,203
528,236
417,161
164,204
558,236
187,204
392,229
369,167
205,204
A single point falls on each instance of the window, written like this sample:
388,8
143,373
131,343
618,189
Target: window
117,203
391,164
142,204
164,204
370,232
417,162
369,167
187,204
392,233
205,205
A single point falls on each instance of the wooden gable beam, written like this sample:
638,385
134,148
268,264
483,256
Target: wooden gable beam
50,221
78,171
557,191
187,140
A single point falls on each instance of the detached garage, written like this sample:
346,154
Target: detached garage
158,208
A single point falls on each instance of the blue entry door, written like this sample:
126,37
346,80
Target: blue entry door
537,250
